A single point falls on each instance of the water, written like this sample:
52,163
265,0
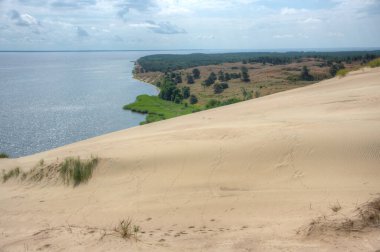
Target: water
52,99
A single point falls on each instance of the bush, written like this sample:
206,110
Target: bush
193,99
3,155
77,171
374,63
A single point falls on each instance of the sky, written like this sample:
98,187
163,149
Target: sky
188,24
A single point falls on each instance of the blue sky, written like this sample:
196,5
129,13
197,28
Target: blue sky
188,24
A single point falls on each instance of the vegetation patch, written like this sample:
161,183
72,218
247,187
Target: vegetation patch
374,63
71,171
77,171
159,109
342,72
365,216
3,155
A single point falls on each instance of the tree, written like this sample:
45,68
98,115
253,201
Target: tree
190,79
218,88
178,78
170,92
305,75
196,73
193,99
245,75
221,76
227,77
210,80
185,92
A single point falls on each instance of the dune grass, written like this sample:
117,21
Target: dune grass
127,230
14,173
3,155
158,109
374,63
77,171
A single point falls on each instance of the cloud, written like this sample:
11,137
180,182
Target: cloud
125,6
283,36
161,28
311,20
73,4
290,11
165,28
23,19
82,33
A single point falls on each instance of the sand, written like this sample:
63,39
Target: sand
244,177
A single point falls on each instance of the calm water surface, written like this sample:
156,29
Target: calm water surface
52,99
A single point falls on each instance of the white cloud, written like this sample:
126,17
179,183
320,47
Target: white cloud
283,36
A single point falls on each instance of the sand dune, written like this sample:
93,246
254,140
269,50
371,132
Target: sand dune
244,177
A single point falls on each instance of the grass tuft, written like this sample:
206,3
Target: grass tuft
77,171
10,174
374,63
3,155
127,230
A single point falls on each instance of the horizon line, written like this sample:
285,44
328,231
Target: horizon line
199,49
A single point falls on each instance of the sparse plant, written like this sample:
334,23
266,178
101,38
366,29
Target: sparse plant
3,155
77,171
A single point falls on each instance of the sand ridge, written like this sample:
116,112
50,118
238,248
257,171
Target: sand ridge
244,177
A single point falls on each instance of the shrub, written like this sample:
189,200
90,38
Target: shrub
77,171
3,155
374,63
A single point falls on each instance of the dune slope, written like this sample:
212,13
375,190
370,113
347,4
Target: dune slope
245,177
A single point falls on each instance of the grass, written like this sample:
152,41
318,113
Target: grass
374,63
366,216
158,109
342,72
10,174
77,171
127,230
3,155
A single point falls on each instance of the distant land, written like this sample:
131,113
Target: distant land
199,81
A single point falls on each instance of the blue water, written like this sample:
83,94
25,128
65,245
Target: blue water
51,99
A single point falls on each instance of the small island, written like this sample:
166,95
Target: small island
194,82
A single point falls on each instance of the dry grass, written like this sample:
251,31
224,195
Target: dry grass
364,217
